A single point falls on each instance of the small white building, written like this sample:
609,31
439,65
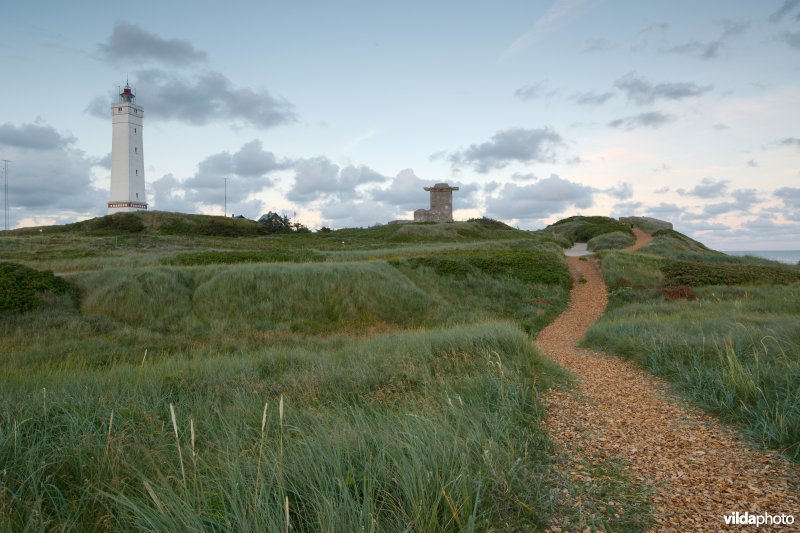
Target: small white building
127,159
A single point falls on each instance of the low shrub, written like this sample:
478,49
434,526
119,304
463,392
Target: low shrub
23,288
529,265
611,241
697,274
233,257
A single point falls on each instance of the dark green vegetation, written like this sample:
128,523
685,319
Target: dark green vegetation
371,379
23,288
585,229
734,351
611,241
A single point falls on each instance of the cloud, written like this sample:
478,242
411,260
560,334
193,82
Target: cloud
317,178
560,10
168,194
707,188
202,98
711,49
52,185
596,45
789,141
103,162
507,146
641,91
703,50
592,98
791,39
246,170
36,136
650,119
790,196
130,42
719,126
787,7
622,190
752,163
536,91
357,213
406,190
539,200
744,200
222,179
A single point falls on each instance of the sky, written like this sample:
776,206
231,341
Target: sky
339,113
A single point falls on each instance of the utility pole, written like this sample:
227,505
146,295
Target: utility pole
226,197
5,195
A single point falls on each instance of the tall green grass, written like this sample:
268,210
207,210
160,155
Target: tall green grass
432,430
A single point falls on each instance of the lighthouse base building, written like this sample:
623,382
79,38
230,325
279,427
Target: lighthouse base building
127,159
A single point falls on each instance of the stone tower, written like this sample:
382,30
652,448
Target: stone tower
127,159
441,205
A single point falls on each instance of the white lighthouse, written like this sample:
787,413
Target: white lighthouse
127,159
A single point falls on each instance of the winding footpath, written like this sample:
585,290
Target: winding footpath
700,471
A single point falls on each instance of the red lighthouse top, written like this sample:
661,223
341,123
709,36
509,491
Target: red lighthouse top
127,93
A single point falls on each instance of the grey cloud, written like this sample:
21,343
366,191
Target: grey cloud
246,170
622,190
507,146
664,211
752,163
56,182
201,99
790,196
790,141
641,91
318,178
252,160
626,209
791,39
703,50
517,176
129,42
103,162
539,200
596,45
535,91
711,49
357,213
167,194
592,98
787,7
406,191
707,188
33,137
650,119
719,126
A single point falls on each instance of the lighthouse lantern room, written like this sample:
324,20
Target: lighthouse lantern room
127,159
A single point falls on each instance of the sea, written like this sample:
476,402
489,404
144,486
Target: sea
791,257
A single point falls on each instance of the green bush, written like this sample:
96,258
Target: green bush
23,288
611,241
529,265
583,229
697,274
232,257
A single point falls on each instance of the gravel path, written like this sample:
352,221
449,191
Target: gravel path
701,471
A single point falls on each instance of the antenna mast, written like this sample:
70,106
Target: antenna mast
5,190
